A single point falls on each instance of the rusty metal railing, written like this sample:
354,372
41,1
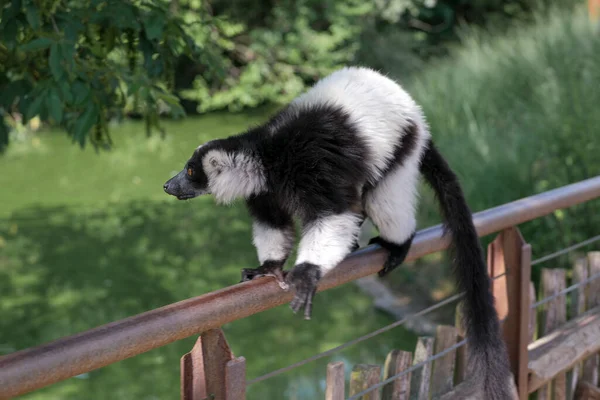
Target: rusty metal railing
40,366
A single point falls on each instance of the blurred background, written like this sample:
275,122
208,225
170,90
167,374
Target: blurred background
101,101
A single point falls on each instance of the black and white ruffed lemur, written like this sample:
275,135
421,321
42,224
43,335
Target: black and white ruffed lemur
352,146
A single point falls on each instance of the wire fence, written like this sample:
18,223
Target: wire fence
357,340
565,291
424,312
565,250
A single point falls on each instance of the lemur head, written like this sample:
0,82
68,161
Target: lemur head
219,168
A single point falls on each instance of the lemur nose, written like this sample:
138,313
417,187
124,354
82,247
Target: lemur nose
166,186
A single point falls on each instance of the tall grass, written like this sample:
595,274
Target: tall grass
520,114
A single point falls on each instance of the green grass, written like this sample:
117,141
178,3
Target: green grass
46,169
87,239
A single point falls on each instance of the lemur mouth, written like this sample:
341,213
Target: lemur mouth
186,196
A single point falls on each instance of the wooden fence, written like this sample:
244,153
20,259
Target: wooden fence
562,357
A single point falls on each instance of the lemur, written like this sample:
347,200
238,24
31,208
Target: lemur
352,146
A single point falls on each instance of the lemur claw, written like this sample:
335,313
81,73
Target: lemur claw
304,278
267,269
397,253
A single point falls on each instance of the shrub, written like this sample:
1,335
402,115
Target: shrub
517,115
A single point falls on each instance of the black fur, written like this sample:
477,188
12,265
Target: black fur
304,277
304,151
397,253
264,208
487,349
314,161
311,149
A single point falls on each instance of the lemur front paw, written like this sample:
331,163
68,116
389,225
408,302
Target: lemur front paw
397,253
269,268
304,278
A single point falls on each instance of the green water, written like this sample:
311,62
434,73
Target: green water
86,239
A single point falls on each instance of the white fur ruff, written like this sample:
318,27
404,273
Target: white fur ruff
233,175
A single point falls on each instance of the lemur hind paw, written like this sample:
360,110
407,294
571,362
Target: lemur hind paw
397,253
304,278
269,268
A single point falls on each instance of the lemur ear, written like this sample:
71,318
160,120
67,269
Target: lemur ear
218,160
213,161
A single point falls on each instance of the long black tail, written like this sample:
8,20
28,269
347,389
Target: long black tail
487,353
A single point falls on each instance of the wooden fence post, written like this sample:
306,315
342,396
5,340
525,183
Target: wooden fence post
532,314
396,362
420,379
554,315
210,370
193,384
578,307
363,377
509,254
442,378
335,381
590,366
587,391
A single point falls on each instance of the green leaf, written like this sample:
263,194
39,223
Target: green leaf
55,106
10,34
54,62
65,90
167,98
80,92
37,44
154,25
13,90
110,37
85,122
134,87
35,106
73,29
173,102
67,52
33,16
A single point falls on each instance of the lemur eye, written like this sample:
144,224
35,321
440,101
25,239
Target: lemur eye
213,162
190,172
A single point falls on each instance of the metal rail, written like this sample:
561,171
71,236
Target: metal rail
40,366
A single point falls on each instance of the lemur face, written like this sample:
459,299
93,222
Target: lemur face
192,181
220,168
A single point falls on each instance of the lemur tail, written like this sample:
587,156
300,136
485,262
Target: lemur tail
488,357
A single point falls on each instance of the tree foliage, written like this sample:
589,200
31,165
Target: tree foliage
79,64
270,50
